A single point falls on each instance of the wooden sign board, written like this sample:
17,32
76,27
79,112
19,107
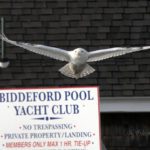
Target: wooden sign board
50,119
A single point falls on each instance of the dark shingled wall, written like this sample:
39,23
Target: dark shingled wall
68,24
91,24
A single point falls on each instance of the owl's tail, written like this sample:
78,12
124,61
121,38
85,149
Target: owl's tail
67,71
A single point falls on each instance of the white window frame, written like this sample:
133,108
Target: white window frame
124,104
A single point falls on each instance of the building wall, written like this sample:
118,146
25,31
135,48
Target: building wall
91,24
126,131
68,24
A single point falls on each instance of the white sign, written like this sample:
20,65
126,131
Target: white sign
50,119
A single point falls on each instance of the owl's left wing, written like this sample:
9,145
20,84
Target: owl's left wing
99,55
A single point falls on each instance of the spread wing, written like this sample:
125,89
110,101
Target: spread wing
52,52
113,52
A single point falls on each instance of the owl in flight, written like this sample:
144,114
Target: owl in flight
77,60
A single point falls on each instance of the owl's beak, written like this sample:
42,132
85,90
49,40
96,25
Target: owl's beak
79,53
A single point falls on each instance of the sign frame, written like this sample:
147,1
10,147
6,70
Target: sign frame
86,94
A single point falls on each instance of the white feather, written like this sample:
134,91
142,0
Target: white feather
99,55
52,52
65,70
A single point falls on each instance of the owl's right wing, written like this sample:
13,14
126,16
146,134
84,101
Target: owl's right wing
53,52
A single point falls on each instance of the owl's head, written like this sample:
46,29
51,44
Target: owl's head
80,52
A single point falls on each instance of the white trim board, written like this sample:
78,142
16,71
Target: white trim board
124,104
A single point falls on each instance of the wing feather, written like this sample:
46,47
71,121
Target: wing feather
113,52
52,52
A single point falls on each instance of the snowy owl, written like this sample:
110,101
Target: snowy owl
77,66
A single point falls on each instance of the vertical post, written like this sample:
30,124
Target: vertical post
4,63
2,42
